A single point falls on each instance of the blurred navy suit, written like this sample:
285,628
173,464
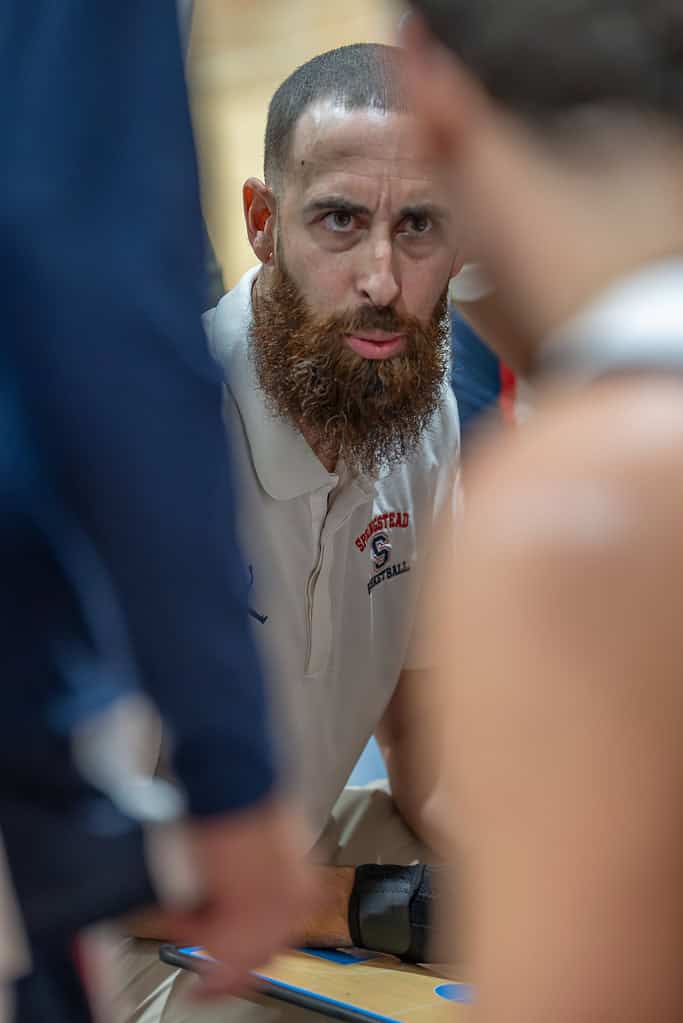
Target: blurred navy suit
117,532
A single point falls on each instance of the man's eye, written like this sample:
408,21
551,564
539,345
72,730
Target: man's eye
417,225
339,220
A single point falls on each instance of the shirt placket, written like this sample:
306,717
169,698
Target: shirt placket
318,594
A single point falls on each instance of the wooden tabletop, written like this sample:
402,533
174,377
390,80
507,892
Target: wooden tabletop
376,986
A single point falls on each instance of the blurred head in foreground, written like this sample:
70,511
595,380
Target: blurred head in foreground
354,231
562,122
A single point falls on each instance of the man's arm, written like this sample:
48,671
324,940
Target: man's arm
565,726
410,732
326,925
407,740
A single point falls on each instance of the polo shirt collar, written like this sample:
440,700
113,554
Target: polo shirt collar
284,462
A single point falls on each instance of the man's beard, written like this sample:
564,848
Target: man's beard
369,412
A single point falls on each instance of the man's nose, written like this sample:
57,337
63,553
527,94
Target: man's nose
378,281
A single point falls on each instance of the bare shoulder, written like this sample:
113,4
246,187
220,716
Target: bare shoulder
594,470
571,555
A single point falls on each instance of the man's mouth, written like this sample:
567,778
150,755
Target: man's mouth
376,344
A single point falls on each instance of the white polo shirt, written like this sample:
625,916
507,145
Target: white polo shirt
336,565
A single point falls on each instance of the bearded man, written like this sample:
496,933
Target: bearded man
345,436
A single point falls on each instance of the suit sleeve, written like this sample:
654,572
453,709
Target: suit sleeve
103,227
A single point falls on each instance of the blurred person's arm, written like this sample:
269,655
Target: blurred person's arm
105,287
124,399
325,925
566,705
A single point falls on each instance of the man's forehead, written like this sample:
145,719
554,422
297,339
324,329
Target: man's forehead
331,141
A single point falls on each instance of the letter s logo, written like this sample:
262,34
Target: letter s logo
381,550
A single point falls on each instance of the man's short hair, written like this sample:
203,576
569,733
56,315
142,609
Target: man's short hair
543,59
357,77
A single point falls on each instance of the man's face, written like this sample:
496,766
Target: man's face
364,220
349,335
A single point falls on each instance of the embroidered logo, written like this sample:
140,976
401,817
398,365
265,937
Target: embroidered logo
387,520
381,549
389,572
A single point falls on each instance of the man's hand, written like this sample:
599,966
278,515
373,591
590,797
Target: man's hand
319,923
327,923
255,882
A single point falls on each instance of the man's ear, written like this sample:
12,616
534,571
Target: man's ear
447,99
259,216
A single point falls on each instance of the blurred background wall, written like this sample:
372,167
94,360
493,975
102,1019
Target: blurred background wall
240,51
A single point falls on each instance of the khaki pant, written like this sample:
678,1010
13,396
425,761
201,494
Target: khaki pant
365,827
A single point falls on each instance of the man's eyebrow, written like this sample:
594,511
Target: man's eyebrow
337,203
424,209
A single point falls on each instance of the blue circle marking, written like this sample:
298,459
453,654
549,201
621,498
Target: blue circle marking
455,993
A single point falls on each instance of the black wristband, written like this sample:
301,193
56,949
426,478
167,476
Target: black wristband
390,909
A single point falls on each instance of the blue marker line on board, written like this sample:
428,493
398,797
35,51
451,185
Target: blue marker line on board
337,955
